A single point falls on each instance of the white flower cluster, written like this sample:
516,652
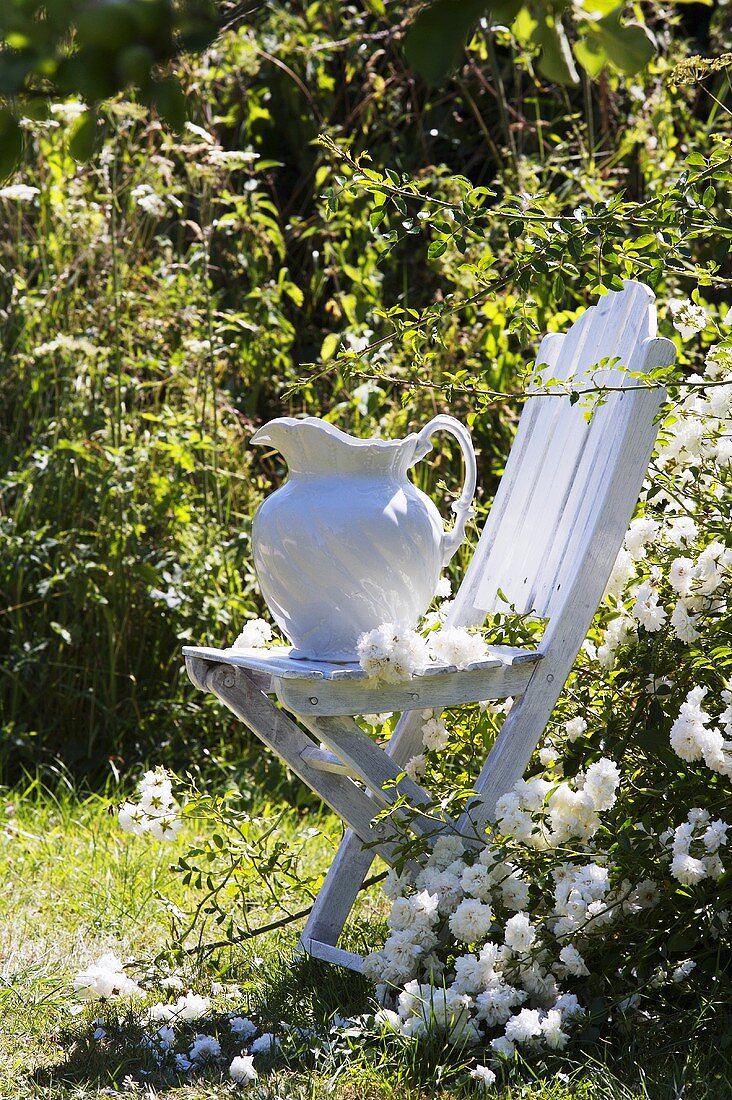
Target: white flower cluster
669,574
543,814
392,654
68,111
242,1070
156,812
190,1006
204,1049
454,645
574,729
105,979
482,991
19,192
695,585
435,738
255,633
149,200
693,739
434,732
584,903
67,343
701,835
499,981
688,318
218,157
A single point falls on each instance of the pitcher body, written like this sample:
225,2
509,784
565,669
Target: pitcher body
348,542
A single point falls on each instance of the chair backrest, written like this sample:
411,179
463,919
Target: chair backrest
571,483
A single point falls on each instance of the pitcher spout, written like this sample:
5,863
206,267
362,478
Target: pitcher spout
310,445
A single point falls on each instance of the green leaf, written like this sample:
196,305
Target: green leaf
329,347
62,632
556,62
524,26
83,136
295,293
436,249
591,56
435,41
11,143
630,47
505,11
168,97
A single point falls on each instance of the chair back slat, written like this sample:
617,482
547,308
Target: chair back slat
562,464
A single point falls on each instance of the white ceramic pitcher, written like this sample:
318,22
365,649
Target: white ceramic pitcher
348,542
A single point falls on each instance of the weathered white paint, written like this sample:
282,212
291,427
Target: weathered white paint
235,688
327,688
324,761
422,692
278,662
335,955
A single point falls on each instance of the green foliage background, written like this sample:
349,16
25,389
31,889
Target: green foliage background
141,346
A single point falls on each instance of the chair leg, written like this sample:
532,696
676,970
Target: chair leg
519,736
380,772
238,691
506,763
338,893
351,865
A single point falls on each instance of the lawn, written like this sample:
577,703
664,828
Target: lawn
75,886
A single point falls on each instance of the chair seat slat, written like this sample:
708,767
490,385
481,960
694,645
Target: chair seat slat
278,662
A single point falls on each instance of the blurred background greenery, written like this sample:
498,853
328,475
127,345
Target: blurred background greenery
194,277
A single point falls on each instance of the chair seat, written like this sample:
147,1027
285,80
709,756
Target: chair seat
327,687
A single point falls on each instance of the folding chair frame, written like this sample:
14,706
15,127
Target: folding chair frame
550,541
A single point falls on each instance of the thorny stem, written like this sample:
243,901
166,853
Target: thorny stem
290,918
498,284
558,391
501,212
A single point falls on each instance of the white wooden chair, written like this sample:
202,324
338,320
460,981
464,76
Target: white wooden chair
549,544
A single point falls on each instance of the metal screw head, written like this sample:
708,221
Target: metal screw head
550,679
313,700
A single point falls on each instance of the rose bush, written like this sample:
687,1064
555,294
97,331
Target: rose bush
602,889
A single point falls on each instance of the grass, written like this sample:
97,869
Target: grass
73,886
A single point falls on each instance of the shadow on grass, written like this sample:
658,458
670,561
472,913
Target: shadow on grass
689,1058
283,994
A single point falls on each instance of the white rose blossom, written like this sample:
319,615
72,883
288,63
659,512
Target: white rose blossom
157,812
688,318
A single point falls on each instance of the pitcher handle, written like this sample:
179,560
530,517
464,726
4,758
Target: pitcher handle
462,507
